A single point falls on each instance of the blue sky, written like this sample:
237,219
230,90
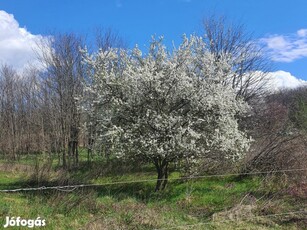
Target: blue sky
280,24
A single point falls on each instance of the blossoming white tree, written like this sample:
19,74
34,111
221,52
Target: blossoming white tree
165,106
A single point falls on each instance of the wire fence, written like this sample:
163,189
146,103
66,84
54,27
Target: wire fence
70,188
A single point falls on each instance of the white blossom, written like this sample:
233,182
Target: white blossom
165,105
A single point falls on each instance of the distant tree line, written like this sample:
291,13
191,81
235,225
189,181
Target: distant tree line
38,110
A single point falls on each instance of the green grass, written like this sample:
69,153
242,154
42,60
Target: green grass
201,203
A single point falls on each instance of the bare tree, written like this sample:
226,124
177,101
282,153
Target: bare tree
8,115
279,133
63,76
107,38
248,61
20,117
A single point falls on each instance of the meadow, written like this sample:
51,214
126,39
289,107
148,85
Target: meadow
123,197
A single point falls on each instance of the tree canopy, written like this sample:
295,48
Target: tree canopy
165,106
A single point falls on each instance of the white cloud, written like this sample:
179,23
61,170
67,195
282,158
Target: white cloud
287,48
17,45
283,80
302,32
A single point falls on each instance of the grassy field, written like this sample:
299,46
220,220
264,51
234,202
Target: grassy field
205,203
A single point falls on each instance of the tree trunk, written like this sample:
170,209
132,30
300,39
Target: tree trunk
76,152
164,182
64,158
90,144
162,170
